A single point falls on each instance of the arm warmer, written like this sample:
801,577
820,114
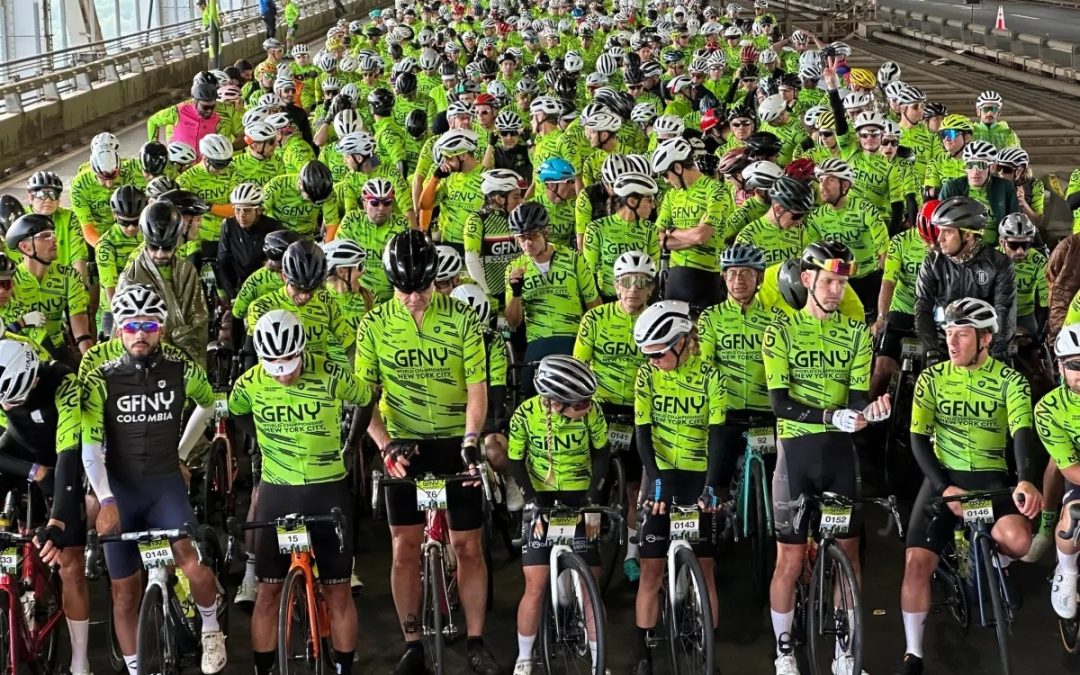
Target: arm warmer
521,477
245,423
475,267
896,219
923,450
646,451
195,427
788,408
93,459
497,407
13,466
1025,446
67,481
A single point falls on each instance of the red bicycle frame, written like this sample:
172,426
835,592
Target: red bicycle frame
25,639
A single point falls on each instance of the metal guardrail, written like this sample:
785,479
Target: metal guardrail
78,68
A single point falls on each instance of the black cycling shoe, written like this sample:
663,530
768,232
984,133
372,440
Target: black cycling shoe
643,667
412,662
482,662
911,665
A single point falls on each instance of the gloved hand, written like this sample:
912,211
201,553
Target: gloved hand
708,500
516,286
35,319
845,420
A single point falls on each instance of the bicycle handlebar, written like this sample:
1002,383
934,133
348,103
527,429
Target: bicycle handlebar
561,509
806,501
379,479
95,540
289,522
1074,528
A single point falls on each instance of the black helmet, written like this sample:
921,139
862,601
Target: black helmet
277,242
789,280
45,180
790,80
160,224
187,203
127,202
528,217
566,86
960,212
817,255
488,66
633,75
10,209
405,83
7,265
153,157
762,145
792,195
416,123
304,265
204,90
447,68
316,181
26,226
410,261
381,102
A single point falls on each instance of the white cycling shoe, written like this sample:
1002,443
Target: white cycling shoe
1063,594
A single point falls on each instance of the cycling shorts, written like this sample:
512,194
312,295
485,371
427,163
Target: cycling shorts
154,502
630,458
74,516
898,325
536,551
684,488
440,457
700,288
812,465
314,499
933,534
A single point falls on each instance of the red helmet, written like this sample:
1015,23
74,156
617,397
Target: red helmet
733,161
485,99
928,232
801,169
711,118
748,54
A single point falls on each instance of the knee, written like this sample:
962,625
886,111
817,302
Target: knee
406,553
788,566
468,550
919,565
495,450
125,598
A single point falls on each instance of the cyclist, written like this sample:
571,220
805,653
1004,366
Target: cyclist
996,193
876,179
173,278
345,262
212,181
557,193
964,267
605,342
955,132
914,132
118,243
44,188
372,226
303,200
817,367
438,434
679,415
448,272
302,472
358,151
91,189
134,405
44,285
240,249
1016,239
627,229
509,150
1012,164
259,162
991,127
489,244
549,141
390,145
263,280
779,234
558,453
548,287
966,411
193,119
40,401
454,186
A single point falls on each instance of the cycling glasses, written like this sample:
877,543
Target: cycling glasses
889,142
977,164
380,202
826,133
633,281
991,108
740,125
51,195
869,134
1020,245
1073,365
132,327
950,134
844,268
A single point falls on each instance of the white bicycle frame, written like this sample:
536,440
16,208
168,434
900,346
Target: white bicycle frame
672,595
553,570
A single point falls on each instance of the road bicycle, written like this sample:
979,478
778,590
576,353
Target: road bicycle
1070,628
611,541
753,517
828,606
216,499
902,473
303,618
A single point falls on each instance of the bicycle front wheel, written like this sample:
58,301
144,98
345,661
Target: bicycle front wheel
298,637
573,625
615,497
689,626
834,621
433,588
152,651
757,532
1002,617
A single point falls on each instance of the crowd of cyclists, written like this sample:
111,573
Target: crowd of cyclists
527,238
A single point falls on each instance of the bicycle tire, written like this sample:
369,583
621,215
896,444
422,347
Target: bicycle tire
1002,622
690,624
47,605
297,629
431,614
1069,629
615,497
212,495
116,658
571,655
757,532
823,620
151,645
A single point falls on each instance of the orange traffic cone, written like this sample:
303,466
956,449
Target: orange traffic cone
1000,23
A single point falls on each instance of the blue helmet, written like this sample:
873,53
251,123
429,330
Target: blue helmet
556,169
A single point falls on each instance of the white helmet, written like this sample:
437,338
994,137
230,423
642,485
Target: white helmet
603,121
869,119
770,110
247,193
105,141
474,296
138,300
572,62
811,115
634,184
455,142
228,93
634,262
260,132
988,98
980,151
347,122
1067,343
104,161
18,370
979,314
767,56
358,143
669,124
378,188
342,252
761,175
669,152
181,153
501,180
216,147
253,115
278,120
663,323
1017,226
450,263
279,335
856,100
888,72
837,168
545,105
891,130
643,113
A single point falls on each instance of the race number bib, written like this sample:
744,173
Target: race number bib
762,439
9,561
978,511
909,348
293,541
685,525
619,437
835,520
157,553
560,530
430,494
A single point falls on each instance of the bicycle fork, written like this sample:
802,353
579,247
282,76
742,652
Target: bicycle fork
749,460
556,589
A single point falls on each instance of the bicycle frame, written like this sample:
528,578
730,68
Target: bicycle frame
318,628
669,577
24,639
981,532
751,457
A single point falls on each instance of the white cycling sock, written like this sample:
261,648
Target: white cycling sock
914,623
132,663
209,618
79,631
1067,563
525,647
781,625
631,545
249,569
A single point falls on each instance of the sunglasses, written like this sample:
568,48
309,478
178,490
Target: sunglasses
163,249
51,195
825,133
579,406
207,107
1019,245
869,134
1073,365
127,222
950,134
740,125
633,282
246,209
380,202
838,266
978,165
508,134
890,142
990,108
133,327
1006,169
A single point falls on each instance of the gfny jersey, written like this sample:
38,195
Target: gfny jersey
554,446
488,235
605,341
135,407
906,254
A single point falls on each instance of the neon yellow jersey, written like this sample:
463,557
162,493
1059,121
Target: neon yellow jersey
775,243
924,144
876,180
731,341
752,208
605,341
858,225
551,145
59,295
423,371
262,281
554,301
557,451
215,189
682,209
350,189
943,167
608,238
113,251
679,406
1031,286
324,324
295,153
458,196
247,169
1057,420
284,202
353,307
391,146
562,223
487,234
906,254
819,362
971,413
357,227
299,426
70,243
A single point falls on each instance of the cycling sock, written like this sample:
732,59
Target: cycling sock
644,653
631,545
209,618
472,643
343,662
525,647
1067,563
264,662
1047,521
80,633
914,623
249,569
132,663
781,626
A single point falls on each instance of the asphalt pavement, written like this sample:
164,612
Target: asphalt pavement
1058,23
